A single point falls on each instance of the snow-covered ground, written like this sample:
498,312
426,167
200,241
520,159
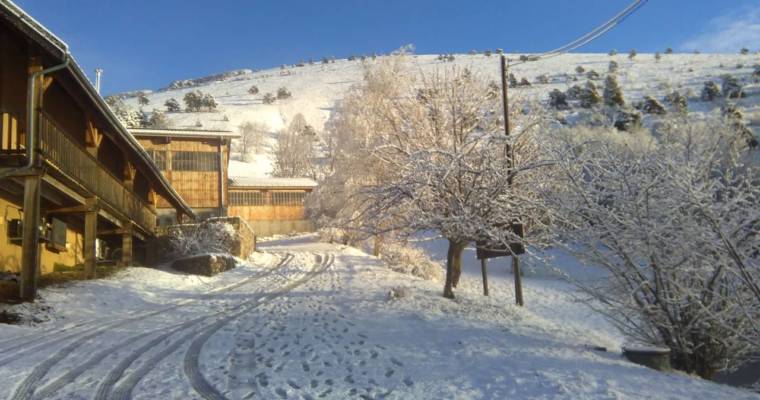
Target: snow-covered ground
316,89
308,320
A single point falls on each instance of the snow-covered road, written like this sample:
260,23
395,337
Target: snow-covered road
307,320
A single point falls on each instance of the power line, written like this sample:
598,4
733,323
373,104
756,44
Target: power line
592,35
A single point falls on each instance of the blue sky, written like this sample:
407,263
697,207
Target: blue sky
148,43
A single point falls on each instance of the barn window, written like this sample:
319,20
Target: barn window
247,198
195,161
288,198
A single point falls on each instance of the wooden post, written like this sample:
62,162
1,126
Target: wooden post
484,268
30,252
510,164
518,281
90,234
92,138
126,245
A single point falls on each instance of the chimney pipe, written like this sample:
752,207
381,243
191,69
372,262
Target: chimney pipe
98,73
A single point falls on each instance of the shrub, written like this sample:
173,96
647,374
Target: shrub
574,92
669,51
542,79
513,80
731,88
650,105
589,96
657,56
558,100
524,82
744,51
283,93
632,54
269,98
710,91
411,261
592,75
487,53
613,53
678,102
579,69
254,90
627,120
613,67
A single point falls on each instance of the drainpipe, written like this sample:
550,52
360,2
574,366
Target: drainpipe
31,127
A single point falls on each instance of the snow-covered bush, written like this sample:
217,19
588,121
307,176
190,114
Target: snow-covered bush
524,82
142,99
574,92
208,237
613,94
592,75
669,50
612,53
513,80
399,292
254,90
411,260
650,105
674,222
580,70
158,120
268,98
613,67
542,79
678,102
627,120
710,91
731,87
127,115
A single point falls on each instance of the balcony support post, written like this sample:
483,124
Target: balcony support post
126,245
30,252
90,235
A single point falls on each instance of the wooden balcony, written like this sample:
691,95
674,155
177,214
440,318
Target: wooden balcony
75,164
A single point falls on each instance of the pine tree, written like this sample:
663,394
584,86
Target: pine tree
579,69
613,67
613,94
269,98
657,56
283,93
627,120
731,88
632,54
558,100
254,90
669,51
589,96
650,105
172,105
574,92
744,51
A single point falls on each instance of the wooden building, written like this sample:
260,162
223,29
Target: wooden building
195,162
70,173
271,206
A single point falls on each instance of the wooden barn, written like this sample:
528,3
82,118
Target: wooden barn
271,206
71,175
195,162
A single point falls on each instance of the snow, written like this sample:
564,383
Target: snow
318,88
304,319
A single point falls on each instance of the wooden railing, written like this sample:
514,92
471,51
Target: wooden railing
81,166
11,137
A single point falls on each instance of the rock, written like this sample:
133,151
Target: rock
205,264
653,357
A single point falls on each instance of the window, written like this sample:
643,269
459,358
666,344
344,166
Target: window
159,158
288,198
195,161
247,198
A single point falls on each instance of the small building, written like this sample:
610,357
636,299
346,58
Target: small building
271,206
70,173
195,162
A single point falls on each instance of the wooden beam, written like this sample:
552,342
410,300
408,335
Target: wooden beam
30,251
90,234
126,246
68,210
92,138
46,84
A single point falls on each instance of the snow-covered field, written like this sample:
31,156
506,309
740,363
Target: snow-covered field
308,320
316,89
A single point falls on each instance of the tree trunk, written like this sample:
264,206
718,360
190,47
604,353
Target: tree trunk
453,267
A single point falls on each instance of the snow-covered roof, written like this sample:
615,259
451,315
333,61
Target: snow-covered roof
196,133
251,182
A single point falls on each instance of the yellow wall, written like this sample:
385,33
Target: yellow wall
10,254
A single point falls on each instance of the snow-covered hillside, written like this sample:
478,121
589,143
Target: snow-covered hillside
316,88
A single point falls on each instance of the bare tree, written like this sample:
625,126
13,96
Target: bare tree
295,156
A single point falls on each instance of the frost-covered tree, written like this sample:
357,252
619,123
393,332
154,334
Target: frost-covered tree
558,100
612,53
672,221
632,54
574,92
283,93
678,102
613,94
513,80
127,115
251,138
542,79
592,75
524,82
294,156
613,67
744,51
208,102
657,56
159,120
431,163
142,99
487,53
710,91
735,119
731,87
172,105
253,90
580,70
589,96
627,120
669,51
193,101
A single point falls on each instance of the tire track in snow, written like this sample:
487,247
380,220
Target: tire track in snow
11,346
192,357
28,386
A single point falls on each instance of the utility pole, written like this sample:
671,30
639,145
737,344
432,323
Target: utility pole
510,165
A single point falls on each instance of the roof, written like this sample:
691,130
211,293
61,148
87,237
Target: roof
186,133
276,183
59,51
